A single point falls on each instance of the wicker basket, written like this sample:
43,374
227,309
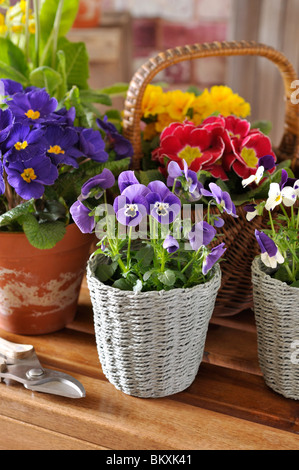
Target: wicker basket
151,344
276,307
235,294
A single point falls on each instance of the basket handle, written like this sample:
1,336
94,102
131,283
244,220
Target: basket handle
289,146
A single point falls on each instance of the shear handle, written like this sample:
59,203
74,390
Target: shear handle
14,350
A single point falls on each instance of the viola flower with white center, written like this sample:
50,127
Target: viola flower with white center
171,244
256,178
296,188
251,210
125,179
131,206
34,107
29,178
201,234
270,254
222,198
62,145
186,182
164,205
211,258
24,142
80,214
276,196
96,185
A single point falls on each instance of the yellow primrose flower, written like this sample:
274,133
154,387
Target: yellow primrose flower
179,103
163,121
239,107
152,102
202,107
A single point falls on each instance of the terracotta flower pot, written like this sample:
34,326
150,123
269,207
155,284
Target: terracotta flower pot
39,289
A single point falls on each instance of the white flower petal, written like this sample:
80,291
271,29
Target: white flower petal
248,181
289,196
251,215
279,257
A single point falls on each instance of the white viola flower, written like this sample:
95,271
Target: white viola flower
296,188
276,196
254,178
270,254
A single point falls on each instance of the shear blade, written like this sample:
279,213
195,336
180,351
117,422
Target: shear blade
61,387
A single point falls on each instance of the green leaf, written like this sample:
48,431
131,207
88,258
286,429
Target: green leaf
295,284
167,278
48,10
123,284
43,236
145,177
118,89
105,271
264,126
76,63
92,96
13,63
18,211
145,255
46,77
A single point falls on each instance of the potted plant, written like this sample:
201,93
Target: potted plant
52,140
153,280
275,278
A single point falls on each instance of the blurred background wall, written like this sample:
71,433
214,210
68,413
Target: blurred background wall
128,32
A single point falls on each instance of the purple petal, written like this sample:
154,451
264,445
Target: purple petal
266,244
268,162
125,179
79,213
171,244
212,258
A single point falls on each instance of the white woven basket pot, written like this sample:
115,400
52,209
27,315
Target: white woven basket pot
276,308
151,344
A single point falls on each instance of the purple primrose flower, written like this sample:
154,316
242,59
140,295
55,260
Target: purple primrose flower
92,145
222,198
28,178
2,182
23,143
80,214
10,87
6,123
62,145
270,254
34,107
171,244
131,206
201,234
96,185
164,205
212,258
122,146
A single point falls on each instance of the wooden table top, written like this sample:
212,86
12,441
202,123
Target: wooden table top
228,407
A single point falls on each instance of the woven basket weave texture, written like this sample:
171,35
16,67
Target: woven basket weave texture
151,344
276,308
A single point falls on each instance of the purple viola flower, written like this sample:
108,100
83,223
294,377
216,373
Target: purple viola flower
23,143
218,222
96,185
268,162
186,181
164,205
6,123
171,244
270,254
131,206
125,179
2,182
201,234
10,87
34,107
212,258
251,210
92,145
29,178
80,214
122,146
62,145
222,198
285,180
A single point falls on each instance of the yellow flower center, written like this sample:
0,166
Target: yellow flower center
21,145
250,158
189,154
32,114
28,175
56,149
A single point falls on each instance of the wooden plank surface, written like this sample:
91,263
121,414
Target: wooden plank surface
227,407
